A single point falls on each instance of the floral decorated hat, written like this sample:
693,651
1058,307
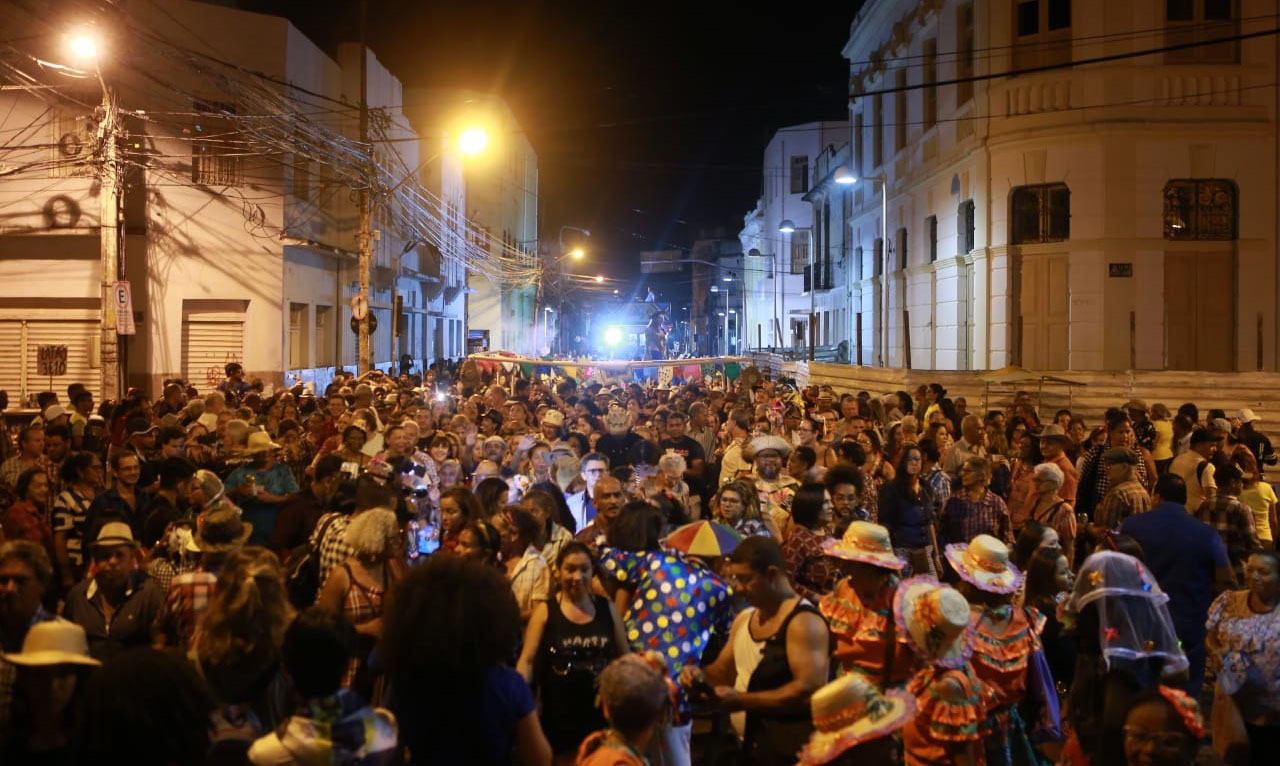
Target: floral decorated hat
984,563
935,620
849,711
866,543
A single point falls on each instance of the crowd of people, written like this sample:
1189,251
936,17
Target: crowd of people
474,567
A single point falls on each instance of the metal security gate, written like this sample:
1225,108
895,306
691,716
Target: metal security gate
210,339
20,340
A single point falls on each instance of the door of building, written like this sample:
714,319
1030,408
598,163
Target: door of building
1045,312
1199,299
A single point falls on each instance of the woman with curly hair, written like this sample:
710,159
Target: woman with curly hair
447,639
358,587
237,642
738,506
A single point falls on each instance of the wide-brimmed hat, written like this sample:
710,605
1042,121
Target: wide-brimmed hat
1054,431
220,530
935,620
553,418
55,642
114,533
1136,404
984,563
259,441
1120,455
865,543
209,420
766,442
849,711
1247,416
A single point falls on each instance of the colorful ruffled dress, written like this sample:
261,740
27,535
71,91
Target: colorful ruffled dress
860,632
944,720
1000,656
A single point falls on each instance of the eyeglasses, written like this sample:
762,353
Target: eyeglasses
1167,740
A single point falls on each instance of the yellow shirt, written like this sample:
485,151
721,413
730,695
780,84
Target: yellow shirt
1260,498
1163,449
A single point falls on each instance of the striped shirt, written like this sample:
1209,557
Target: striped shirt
71,517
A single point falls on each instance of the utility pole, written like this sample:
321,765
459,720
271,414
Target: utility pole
109,234
365,243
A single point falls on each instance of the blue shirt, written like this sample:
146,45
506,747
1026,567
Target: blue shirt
1183,554
276,480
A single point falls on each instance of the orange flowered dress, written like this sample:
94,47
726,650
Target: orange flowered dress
861,630
944,720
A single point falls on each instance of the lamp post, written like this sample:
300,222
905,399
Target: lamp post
84,47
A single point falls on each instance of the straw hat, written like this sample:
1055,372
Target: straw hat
935,620
553,418
259,441
849,711
56,642
209,421
210,485
114,533
984,563
1054,431
766,442
866,543
221,530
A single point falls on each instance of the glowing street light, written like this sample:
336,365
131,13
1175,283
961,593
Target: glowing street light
612,336
787,226
599,279
845,176
577,253
83,46
473,141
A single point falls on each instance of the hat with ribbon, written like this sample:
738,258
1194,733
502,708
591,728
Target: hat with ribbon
934,618
553,418
865,543
984,563
221,529
849,711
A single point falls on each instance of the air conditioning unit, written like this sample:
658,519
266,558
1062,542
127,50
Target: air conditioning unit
74,138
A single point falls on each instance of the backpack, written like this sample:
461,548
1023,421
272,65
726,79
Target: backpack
302,576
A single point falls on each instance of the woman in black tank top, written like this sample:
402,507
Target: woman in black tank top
567,644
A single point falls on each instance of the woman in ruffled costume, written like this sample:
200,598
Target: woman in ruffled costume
1004,639
951,702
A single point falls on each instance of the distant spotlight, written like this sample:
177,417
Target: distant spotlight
612,336
439,396
599,279
615,291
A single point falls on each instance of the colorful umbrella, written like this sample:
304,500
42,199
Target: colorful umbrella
704,538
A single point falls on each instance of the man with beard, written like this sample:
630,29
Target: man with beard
620,440
170,500
118,605
775,488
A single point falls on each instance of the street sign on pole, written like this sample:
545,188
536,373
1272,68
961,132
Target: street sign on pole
123,304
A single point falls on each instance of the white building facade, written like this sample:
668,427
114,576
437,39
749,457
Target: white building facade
1108,216
239,224
777,300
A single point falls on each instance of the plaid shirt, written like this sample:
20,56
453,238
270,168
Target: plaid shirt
333,548
807,565
1234,522
12,468
531,579
963,520
1122,501
187,598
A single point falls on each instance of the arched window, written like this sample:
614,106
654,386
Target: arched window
1200,208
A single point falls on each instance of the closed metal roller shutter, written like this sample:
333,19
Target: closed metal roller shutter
207,346
80,337
11,360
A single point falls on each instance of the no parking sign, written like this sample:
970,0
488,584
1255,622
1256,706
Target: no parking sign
123,303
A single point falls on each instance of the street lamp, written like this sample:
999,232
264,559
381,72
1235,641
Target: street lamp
787,226
473,141
577,253
599,279
83,46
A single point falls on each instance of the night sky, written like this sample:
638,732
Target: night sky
649,121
